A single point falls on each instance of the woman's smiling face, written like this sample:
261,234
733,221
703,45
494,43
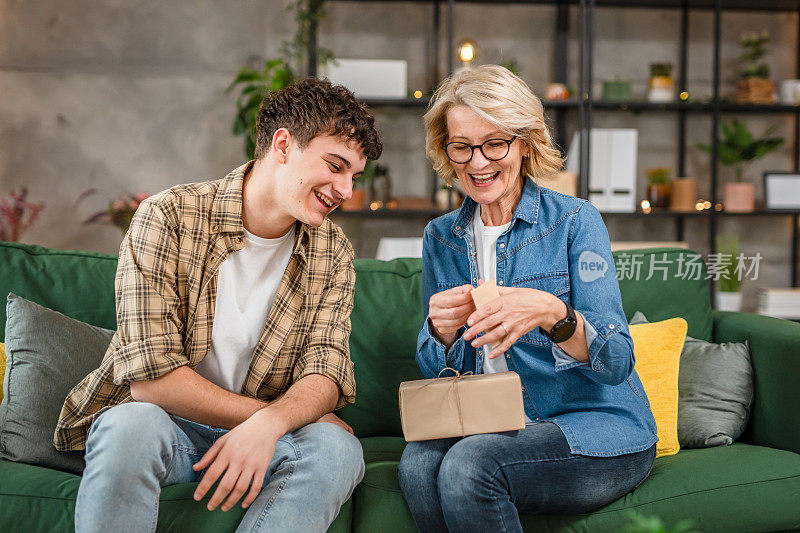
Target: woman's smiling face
485,181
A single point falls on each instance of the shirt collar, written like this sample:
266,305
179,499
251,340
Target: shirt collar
527,209
226,211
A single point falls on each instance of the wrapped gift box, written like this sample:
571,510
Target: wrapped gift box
461,405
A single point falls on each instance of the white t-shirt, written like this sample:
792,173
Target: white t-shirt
486,248
247,285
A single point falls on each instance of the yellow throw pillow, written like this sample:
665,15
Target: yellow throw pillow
657,347
2,368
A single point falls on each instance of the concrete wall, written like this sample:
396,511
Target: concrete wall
129,97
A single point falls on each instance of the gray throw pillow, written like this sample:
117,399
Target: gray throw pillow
48,354
715,391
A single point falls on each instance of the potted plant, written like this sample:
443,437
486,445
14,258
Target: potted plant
754,85
738,148
277,73
658,186
661,88
728,296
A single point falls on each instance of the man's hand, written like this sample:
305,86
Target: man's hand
333,419
243,456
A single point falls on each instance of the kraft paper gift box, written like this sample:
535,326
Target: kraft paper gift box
461,405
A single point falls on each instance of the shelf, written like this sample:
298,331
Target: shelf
692,107
396,102
706,213
390,213
727,5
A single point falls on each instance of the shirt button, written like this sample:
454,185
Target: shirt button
502,245
214,227
611,326
458,227
474,280
500,282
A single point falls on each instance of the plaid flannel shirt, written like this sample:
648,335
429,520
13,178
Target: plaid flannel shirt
166,287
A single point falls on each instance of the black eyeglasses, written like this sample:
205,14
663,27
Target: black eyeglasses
492,149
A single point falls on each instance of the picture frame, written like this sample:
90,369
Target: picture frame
781,191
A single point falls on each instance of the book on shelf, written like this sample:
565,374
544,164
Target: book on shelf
781,303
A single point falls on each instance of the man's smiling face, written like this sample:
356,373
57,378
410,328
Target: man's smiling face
318,178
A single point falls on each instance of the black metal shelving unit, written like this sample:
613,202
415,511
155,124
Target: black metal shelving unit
586,106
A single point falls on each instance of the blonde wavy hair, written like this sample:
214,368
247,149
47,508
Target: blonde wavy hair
503,99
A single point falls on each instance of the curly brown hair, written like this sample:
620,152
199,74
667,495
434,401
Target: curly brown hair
312,107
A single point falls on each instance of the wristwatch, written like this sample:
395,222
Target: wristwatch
564,328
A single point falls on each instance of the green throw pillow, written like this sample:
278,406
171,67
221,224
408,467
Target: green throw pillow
47,355
715,391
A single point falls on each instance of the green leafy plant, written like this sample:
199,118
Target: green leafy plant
651,524
728,280
754,48
658,175
738,148
278,72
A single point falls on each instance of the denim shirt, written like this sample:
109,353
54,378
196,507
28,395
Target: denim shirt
559,244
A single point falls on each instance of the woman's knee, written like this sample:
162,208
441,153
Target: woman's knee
468,469
421,461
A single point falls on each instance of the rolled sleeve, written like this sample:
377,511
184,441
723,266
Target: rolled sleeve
149,340
328,351
595,294
564,361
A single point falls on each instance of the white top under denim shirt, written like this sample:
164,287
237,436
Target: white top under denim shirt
558,244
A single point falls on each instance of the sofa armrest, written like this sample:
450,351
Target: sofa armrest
775,352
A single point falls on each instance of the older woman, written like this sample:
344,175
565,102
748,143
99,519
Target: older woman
589,436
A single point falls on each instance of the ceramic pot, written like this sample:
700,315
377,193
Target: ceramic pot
356,202
658,195
739,197
684,195
728,301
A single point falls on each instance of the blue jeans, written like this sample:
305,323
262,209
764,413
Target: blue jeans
135,448
481,482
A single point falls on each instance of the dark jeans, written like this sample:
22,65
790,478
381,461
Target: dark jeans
479,483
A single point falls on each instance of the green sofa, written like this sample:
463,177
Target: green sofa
753,485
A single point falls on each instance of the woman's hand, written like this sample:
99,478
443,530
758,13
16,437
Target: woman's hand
449,310
519,310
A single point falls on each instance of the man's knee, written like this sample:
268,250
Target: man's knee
331,452
129,426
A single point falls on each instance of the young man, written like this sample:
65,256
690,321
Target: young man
233,301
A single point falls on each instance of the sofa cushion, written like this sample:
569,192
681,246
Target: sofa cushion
382,448
733,488
78,284
715,391
43,501
386,317
665,283
657,348
48,354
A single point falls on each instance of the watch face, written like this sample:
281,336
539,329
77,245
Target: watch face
563,331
